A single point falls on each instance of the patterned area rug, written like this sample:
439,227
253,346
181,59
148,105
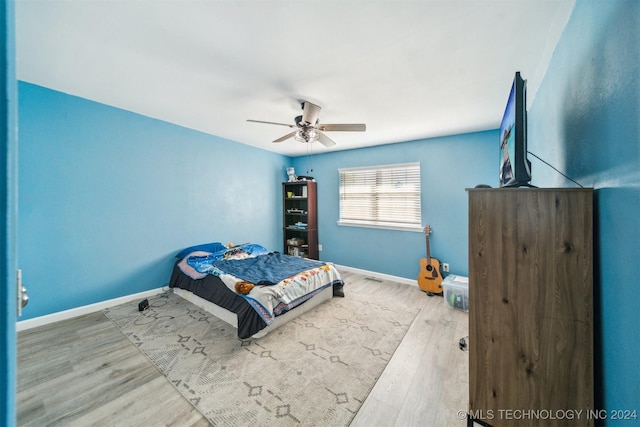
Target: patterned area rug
313,371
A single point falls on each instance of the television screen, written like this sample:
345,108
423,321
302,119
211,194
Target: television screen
515,168
507,140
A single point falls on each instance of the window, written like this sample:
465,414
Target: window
381,196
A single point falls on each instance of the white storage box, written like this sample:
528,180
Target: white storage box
456,292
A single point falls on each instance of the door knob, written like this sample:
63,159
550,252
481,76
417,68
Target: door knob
24,298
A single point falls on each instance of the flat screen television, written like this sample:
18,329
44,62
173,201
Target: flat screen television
515,168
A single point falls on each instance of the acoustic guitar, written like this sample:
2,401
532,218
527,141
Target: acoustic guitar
430,279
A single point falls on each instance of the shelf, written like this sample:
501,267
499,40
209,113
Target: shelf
301,207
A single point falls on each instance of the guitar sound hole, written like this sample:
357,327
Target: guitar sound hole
429,268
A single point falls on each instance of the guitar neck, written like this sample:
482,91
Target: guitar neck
426,238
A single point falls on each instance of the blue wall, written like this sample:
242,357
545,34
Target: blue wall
107,197
448,165
8,209
585,120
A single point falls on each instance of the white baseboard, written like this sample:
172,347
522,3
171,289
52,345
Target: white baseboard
382,276
79,311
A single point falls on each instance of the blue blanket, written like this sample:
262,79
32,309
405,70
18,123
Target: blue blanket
266,269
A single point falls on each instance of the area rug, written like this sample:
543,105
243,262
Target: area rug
313,371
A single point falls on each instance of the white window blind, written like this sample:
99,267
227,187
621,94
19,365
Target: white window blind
385,196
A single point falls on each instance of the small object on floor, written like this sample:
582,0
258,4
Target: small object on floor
464,346
143,305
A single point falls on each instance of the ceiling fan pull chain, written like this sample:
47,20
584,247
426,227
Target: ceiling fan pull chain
309,153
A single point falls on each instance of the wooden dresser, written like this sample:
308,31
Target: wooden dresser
531,307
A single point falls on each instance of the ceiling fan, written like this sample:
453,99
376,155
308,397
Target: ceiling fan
309,128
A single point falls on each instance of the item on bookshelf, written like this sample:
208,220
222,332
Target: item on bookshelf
297,251
295,241
291,173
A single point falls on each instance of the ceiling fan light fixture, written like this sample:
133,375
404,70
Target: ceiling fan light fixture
309,128
306,135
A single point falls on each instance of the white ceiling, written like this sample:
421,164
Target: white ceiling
408,69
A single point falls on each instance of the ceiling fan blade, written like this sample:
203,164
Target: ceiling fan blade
287,136
325,140
271,123
310,113
345,127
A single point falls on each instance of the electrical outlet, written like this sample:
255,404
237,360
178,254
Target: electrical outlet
445,267
319,247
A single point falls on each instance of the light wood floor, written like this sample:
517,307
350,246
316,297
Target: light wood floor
84,371
426,382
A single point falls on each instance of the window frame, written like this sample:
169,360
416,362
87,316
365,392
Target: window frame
411,167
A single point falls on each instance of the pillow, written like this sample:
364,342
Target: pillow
244,251
205,247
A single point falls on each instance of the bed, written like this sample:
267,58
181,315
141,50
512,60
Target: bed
251,288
